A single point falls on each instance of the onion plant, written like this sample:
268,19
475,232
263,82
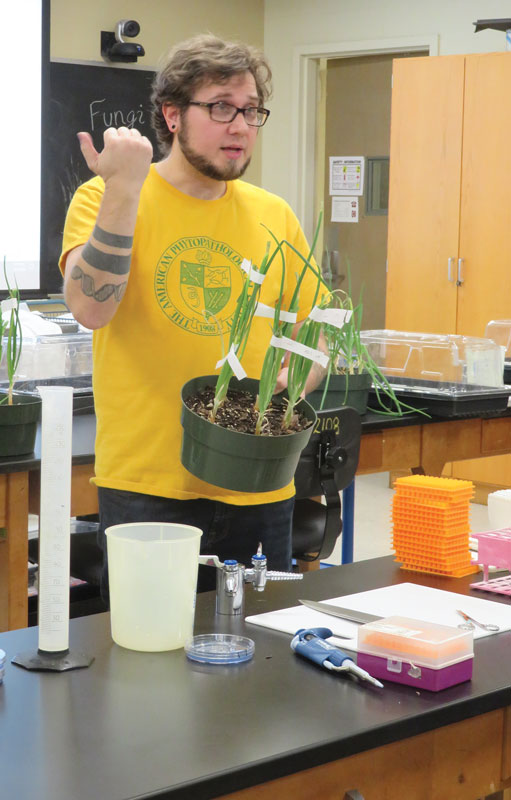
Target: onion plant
348,355
299,367
343,344
309,334
241,323
3,328
273,357
11,329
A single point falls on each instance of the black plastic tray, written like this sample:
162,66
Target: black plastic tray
474,401
83,398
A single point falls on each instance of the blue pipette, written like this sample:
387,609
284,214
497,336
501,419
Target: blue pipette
310,643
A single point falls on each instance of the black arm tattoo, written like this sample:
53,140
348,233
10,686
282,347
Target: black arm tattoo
104,292
112,239
108,262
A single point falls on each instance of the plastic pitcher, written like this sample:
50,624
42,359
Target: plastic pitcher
153,575
499,509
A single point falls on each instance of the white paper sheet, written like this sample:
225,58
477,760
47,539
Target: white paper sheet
347,175
404,599
344,209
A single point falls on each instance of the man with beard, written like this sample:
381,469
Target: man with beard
179,229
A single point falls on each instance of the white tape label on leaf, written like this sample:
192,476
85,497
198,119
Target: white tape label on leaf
337,317
263,310
234,363
285,343
253,274
8,304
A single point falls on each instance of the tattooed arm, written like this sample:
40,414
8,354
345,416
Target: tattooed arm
97,273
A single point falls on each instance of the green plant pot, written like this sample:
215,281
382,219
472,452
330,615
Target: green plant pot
241,462
18,425
356,396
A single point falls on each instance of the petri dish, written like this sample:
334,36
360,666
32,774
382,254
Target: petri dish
220,648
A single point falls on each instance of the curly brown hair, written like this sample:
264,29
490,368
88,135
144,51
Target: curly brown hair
202,59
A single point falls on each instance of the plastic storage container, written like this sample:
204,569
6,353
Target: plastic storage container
416,653
59,356
499,509
444,374
64,359
499,330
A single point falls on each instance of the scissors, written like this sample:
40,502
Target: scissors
470,623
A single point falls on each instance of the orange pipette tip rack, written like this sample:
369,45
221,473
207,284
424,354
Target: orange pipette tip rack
431,525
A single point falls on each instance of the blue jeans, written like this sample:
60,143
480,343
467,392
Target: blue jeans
229,531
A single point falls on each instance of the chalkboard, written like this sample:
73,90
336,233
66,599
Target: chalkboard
81,98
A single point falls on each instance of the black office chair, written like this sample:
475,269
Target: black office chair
327,465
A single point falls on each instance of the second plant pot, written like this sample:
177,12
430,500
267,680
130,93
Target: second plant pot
241,462
343,390
18,425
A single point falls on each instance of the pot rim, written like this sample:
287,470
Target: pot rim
302,403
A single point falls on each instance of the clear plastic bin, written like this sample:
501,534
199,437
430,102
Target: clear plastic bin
499,330
447,363
46,357
425,643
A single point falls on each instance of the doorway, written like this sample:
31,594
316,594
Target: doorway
308,128
354,120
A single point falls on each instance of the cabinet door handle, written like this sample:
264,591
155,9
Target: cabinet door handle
449,269
460,276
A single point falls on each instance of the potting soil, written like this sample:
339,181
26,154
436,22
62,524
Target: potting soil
238,413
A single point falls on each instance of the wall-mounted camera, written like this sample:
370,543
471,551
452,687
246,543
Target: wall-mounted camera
115,48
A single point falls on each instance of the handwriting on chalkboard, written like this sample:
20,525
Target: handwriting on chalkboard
101,117
82,97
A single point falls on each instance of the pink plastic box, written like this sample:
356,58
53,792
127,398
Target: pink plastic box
416,653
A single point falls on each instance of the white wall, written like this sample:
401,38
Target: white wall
293,23
20,158
75,35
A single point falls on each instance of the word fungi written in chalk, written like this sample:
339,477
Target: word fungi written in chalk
103,118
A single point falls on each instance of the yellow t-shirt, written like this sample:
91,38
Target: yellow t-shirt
186,258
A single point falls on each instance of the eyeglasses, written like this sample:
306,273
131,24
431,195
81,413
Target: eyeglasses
226,112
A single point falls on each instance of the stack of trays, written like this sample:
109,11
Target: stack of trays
431,525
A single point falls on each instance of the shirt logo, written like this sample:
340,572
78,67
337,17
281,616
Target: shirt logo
197,282
207,288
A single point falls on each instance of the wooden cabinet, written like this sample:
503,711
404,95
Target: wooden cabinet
424,194
449,258
461,761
